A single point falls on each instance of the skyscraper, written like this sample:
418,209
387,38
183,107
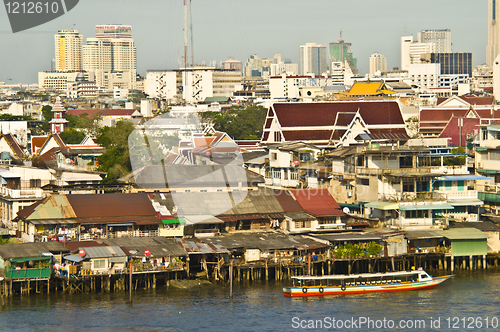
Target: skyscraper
440,38
312,59
377,62
68,51
112,56
340,51
493,47
405,51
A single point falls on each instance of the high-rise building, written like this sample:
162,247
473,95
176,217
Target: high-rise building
493,47
257,67
440,38
418,49
451,63
405,51
68,51
341,50
378,62
112,59
313,59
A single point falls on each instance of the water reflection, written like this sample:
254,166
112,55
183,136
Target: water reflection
257,307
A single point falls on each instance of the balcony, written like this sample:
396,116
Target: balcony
413,197
450,170
21,193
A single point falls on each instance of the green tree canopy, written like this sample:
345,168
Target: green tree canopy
116,160
72,136
240,123
47,116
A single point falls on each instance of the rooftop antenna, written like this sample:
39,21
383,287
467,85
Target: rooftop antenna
341,34
191,31
185,45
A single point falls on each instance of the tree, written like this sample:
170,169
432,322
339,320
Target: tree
240,123
47,116
116,160
456,160
72,136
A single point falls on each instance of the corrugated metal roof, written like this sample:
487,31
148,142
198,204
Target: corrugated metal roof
111,205
52,207
349,237
34,249
463,234
158,246
266,241
196,246
318,202
423,234
103,252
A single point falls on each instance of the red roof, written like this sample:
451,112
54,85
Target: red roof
103,112
111,205
318,202
325,113
452,130
287,201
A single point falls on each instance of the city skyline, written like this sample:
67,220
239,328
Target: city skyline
223,29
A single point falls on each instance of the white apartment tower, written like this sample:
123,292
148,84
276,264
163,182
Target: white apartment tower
112,56
378,62
68,51
493,47
313,59
440,38
405,51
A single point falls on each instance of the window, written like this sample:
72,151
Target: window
99,263
274,156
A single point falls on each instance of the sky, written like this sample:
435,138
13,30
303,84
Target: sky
238,29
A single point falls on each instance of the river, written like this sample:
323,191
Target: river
262,307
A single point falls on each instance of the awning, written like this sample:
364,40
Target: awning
122,224
74,258
27,259
349,205
383,205
426,207
465,202
487,171
467,177
173,221
204,219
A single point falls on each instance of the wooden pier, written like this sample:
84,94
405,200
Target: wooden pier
277,270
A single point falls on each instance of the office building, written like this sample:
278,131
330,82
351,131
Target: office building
112,59
313,59
451,63
378,62
493,47
233,64
68,51
440,38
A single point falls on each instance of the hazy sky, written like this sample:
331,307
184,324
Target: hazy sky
237,28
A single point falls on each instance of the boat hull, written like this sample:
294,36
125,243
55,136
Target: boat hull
338,290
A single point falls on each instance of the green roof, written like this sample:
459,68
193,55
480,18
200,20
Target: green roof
216,99
463,234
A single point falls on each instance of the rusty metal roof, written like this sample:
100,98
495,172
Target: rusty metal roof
196,246
103,252
33,249
111,205
158,246
266,241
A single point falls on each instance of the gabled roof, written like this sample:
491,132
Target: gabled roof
318,202
325,113
37,143
102,112
52,137
453,130
368,88
14,145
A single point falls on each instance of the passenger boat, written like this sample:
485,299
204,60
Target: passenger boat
361,283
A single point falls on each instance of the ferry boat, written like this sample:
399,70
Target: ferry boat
361,283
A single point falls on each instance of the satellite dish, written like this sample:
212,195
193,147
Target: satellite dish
346,210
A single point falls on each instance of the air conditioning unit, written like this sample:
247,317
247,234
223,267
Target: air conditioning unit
479,164
349,194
